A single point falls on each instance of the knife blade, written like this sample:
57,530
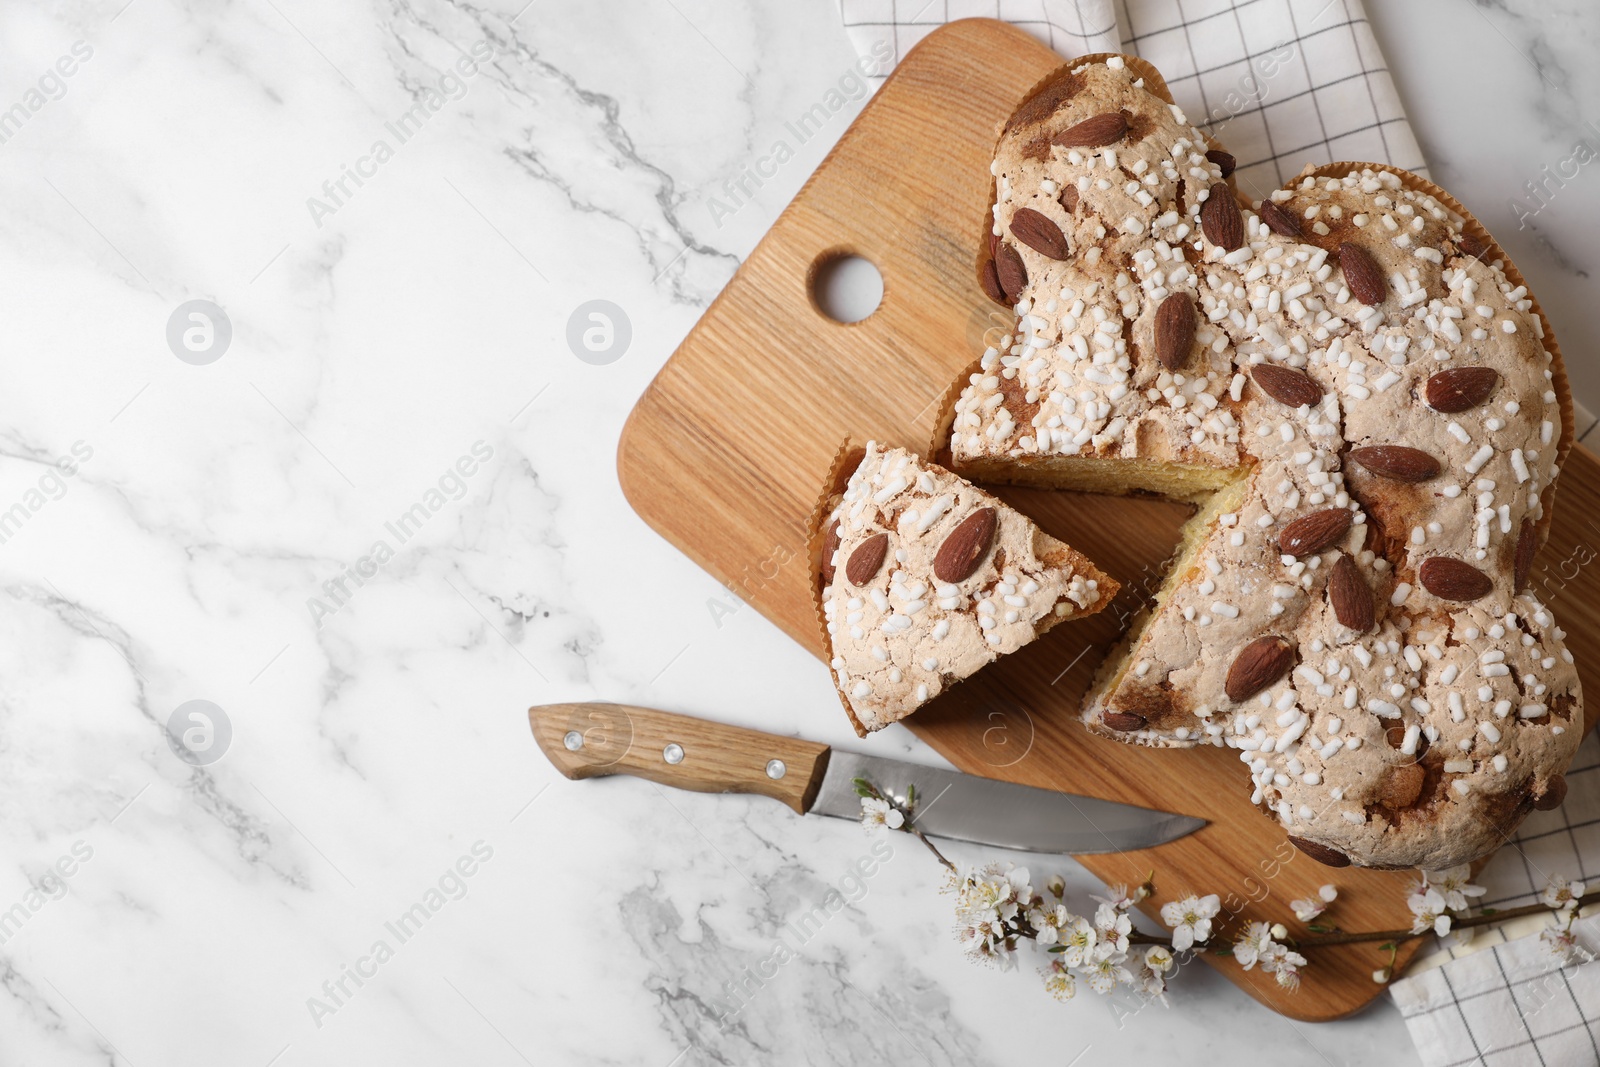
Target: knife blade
588,740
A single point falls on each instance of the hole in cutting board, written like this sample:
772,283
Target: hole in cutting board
845,287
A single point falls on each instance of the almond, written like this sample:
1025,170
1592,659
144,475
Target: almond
1221,220
1555,791
1321,853
1400,463
1010,272
1453,579
1038,233
1286,386
830,545
1362,274
990,280
1222,159
1258,664
1401,786
1310,534
1351,596
1460,388
1522,566
1175,330
1280,221
867,559
1122,720
966,546
1095,132
1472,246
1068,199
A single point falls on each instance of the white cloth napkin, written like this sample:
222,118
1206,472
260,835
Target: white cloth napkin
1513,1003
1281,83
1502,999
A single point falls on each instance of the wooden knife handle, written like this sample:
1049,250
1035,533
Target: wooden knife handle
593,740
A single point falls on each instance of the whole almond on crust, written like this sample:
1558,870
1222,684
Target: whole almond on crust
1402,786
1123,721
1310,534
1400,463
1095,132
1555,791
1175,330
830,545
1522,565
1460,388
1362,274
1039,233
1258,664
1321,853
1471,246
1351,596
1280,221
1010,272
966,546
990,280
867,559
1221,220
1222,159
1453,579
1286,386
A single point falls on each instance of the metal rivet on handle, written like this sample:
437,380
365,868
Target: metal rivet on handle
776,769
673,753
573,740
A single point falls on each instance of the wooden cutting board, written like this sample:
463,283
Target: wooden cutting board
728,448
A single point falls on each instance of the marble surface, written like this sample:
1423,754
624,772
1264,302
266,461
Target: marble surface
384,521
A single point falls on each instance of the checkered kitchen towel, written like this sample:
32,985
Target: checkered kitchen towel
1504,999
1284,83
1513,1003
1281,83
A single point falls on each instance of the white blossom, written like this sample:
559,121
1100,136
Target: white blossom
987,901
877,814
1252,943
1048,923
1059,982
1561,894
1190,919
1306,910
1455,885
1562,941
1284,963
1428,912
1078,940
1105,974
1113,927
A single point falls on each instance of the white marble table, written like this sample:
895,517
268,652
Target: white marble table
384,521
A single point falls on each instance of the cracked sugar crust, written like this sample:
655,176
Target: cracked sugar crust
900,634
1423,739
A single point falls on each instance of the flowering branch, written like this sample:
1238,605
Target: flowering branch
1485,918
998,911
880,810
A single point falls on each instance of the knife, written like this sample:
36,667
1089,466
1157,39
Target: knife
591,740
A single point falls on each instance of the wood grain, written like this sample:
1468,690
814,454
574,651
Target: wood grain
750,442
711,758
